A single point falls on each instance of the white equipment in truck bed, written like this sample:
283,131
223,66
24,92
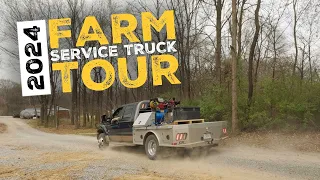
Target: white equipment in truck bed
144,120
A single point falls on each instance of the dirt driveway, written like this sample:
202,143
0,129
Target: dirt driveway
26,153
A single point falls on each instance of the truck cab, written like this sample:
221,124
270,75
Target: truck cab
120,124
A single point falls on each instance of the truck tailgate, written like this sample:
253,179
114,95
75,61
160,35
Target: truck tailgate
215,128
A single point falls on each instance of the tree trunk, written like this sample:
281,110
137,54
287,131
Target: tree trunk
274,55
218,37
234,66
251,55
74,97
85,106
310,62
294,4
302,63
92,99
42,109
45,112
240,28
56,115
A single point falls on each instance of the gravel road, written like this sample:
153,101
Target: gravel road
26,153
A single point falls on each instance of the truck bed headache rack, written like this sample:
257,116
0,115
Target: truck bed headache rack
185,113
177,122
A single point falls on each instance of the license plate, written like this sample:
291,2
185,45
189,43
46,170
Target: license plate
206,136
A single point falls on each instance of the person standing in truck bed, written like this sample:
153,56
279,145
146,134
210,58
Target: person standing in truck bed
154,104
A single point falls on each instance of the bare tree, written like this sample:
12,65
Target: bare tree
297,13
294,4
240,23
218,5
308,34
234,66
252,50
75,10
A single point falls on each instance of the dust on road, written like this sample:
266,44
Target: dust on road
26,153
3,128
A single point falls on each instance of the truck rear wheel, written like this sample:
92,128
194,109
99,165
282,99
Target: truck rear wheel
152,147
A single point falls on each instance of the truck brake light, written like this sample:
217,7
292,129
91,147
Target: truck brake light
224,130
181,136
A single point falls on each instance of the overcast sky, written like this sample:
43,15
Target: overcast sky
8,65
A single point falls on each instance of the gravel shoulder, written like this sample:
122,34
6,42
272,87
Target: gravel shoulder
3,128
27,153
64,128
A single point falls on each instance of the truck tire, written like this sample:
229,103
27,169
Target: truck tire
103,141
152,147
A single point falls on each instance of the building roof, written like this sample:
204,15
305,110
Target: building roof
62,108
